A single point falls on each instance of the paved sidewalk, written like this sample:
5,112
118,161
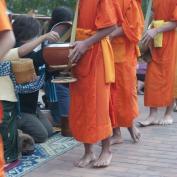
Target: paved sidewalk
154,156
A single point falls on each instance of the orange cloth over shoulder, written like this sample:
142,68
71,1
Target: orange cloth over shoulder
89,109
160,77
123,104
4,21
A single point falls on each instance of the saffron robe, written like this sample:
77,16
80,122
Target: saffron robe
123,104
89,110
175,87
160,76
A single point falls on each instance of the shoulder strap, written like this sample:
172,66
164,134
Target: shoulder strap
148,15
73,32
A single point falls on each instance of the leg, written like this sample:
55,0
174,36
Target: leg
168,119
65,130
45,122
151,119
135,133
105,157
175,106
30,124
63,107
140,87
9,132
1,159
87,158
116,138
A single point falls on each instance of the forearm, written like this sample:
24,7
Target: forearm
117,32
99,35
7,41
167,27
30,46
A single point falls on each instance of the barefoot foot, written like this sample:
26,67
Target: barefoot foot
104,160
135,134
149,121
167,120
85,160
115,139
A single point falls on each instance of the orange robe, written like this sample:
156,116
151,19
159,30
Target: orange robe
175,88
4,25
159,83
123,104
89,109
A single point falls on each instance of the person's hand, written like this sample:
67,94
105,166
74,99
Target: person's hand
52,36
149,36
79,48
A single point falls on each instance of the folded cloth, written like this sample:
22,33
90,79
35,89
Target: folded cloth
158,39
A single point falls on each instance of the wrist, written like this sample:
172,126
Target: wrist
88,43
157,30
43,37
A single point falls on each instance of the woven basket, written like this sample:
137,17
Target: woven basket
23,70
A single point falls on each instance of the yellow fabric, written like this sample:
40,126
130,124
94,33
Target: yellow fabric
12,55
158,39
108,54
138,52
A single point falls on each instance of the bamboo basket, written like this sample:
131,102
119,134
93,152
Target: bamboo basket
23,70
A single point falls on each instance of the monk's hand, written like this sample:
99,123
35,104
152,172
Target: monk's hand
79,48
149,36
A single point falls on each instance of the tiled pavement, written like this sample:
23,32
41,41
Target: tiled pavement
154,156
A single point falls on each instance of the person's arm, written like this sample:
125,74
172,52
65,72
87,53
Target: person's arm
7,41
28,47
116,33
80,47
151,33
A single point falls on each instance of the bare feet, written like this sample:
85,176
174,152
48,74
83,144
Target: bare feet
167,120
149,121
135,134
116,139
85,160
104,160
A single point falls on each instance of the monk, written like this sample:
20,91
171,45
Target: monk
124,105
159,82
7,38
89,113
175,87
